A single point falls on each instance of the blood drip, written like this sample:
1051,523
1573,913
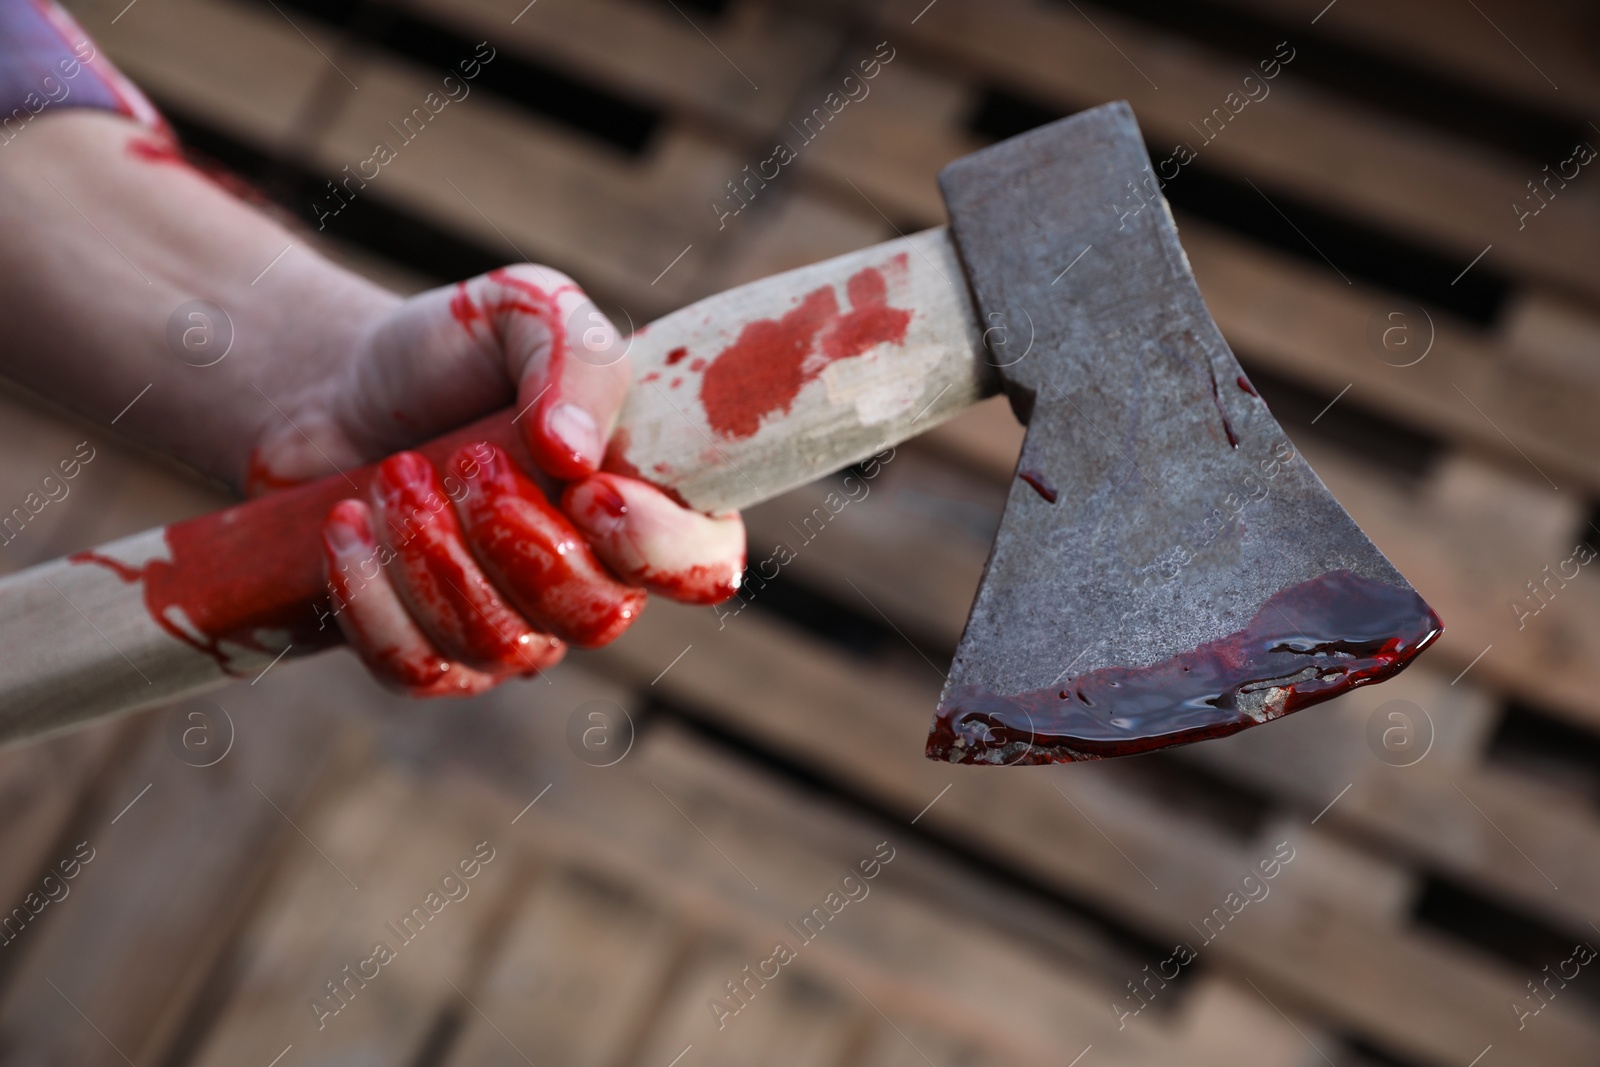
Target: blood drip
180,596
1040,483
1308,643
1244,383
772,359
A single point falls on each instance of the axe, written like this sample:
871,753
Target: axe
1167,569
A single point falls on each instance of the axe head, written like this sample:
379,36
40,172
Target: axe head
1168,568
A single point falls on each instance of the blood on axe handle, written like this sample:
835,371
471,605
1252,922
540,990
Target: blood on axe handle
747,394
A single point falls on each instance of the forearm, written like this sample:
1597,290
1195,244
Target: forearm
106,237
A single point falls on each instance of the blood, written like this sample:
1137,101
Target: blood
538,560
260,479
250,578
695,585
676,356
411,666
516,296
1040,483
1227,424
1244,383
698,584
765,368
494,301
1308,643
178,597
156,150
162,148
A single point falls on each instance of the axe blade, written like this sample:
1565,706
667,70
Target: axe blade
1168,567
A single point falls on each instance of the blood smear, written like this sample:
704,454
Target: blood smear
1308,643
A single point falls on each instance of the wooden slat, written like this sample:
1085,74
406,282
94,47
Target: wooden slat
657,55
550,195
175,866
914,547
41,788
578,971
922,945
1362,976
394,839
240,66
1550,66
1301,139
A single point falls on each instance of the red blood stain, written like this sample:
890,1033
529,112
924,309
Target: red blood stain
436,574
1309,642
1040,483
163,149
772,359
698,365
251,576
495,301
260,479
177,596
653,376
603,510
510,295
411,666
676,356
1244,383
675,383
156,150
538,559
696,585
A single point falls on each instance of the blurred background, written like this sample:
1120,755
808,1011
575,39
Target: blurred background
658,811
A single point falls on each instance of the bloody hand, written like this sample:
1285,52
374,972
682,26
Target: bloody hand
448,582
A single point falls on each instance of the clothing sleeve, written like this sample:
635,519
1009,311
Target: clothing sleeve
47,61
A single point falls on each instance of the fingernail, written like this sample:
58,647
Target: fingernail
597,508
341,539
575,431
341,532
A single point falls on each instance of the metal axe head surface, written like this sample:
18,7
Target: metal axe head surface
1168,568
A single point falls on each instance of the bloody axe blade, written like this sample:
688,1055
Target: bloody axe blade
1168,567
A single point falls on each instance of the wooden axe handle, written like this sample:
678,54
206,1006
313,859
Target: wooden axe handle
736,399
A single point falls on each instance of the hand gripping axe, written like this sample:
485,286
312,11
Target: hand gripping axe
1167,568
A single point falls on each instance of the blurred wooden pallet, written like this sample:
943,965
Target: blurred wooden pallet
1022,902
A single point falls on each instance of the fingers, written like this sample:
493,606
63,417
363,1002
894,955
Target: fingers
567,358
374,620
535,557
648,539
438,580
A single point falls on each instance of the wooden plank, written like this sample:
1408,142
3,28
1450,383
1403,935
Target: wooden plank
801,1020
1411,180
239,66
1419,995
688,64
1295,321
42,788
1549,53
179,852
551,195
904,550
924,947
577,973
385,845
